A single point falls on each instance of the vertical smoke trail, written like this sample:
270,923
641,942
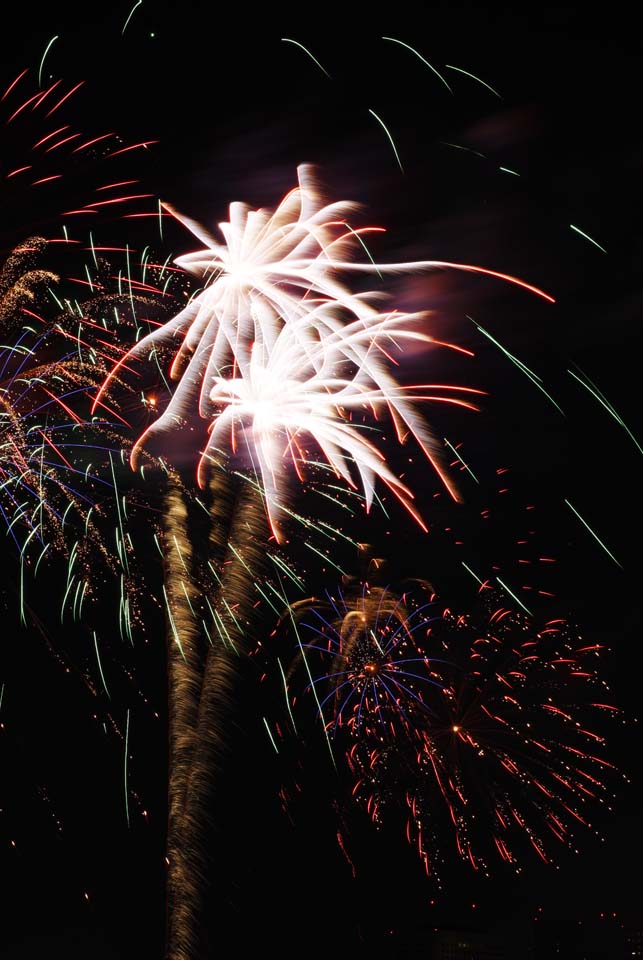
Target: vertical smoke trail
185,669
234,621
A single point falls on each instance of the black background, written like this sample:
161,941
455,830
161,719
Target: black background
235,110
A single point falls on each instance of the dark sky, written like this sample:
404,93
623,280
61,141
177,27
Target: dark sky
486,180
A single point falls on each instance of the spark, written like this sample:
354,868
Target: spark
125,768
473,77
465,465
587,237
535,379
596,537
302,47
388,134
513,596
469,570
426,62
596,393
272,739
137,4
47,49
100,667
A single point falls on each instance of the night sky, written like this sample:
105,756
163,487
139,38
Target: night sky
486,180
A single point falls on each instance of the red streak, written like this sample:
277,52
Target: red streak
66,97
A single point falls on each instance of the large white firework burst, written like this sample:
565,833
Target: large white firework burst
327,394
275,270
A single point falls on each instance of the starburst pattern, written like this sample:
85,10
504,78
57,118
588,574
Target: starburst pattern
275,270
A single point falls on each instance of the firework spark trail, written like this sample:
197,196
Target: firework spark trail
130,15
604,402
473,77
424,61
594,535
390,138
587,237
535,379
302,47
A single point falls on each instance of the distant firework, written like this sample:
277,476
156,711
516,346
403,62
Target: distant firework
486,726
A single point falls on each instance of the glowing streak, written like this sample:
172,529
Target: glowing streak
12,85
475,577
47,49
426,62
302,47
512,594
596,537
100,667
535,379
392,142
272,739
587,237
465,465
66,97
458,146
125,768
137,4
284,681
596,393
312,682
473,77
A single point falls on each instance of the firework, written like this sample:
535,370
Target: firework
291,395
486,726
276,270
371,676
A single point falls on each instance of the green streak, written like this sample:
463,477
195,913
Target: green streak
587,237
302,47
125,767
512,594
272,739
597,538
469,570
312,685
172,623
535,379
47,49
596,393
137,4
465,465
384,127
285,683
472,76
426,62
458,146
100,667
